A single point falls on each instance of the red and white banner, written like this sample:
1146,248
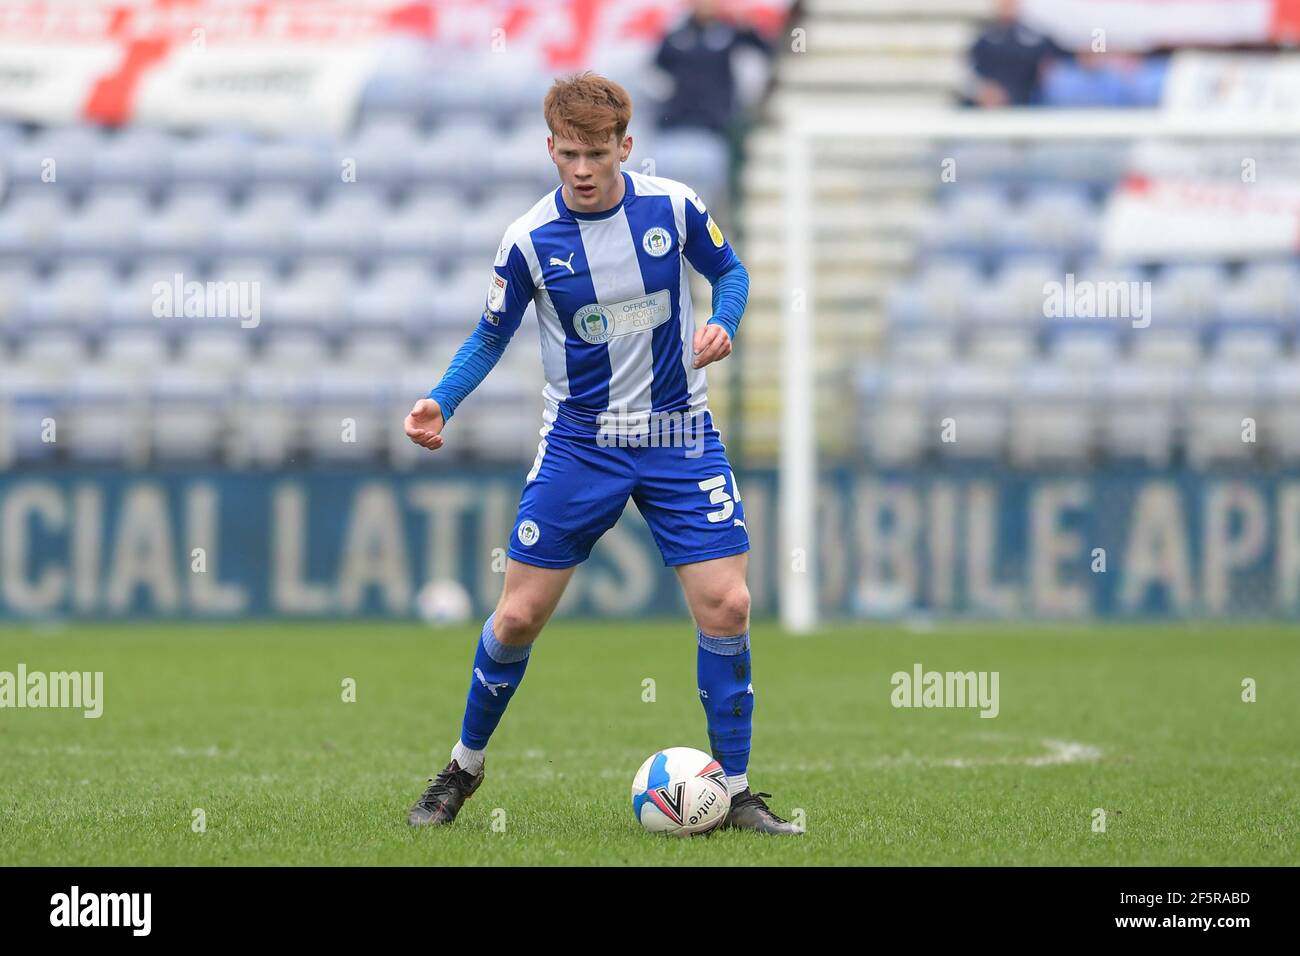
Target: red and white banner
1193,218
294,64
1138,25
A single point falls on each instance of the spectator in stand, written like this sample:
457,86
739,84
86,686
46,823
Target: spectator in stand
1117,79
1009,59
707,86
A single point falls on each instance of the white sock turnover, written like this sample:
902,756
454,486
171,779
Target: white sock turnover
466,759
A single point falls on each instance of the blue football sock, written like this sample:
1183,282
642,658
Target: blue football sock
498,669
722,672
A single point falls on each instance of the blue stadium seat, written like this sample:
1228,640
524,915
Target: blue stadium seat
1055,417
109,425
426,229
221,158
63,154
108,224
189,404
186,225
30,224
30,398
303,162
134,154
976,398
315,296
347,224
383,151
398,296
220,348
266,225
76,295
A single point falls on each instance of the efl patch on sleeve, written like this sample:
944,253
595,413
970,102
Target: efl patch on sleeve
715,233
496,296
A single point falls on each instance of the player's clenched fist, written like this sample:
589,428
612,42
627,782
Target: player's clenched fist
424,424
711,343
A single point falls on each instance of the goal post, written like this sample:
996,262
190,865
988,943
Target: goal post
802,127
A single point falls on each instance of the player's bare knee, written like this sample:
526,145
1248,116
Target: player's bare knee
518,622
728,611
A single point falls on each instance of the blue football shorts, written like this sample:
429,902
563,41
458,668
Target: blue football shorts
680,480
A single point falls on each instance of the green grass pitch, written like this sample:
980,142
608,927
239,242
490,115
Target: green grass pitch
247,723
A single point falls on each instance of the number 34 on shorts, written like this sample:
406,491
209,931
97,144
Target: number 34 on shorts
578,490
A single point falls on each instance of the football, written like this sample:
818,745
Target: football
681,791
444,602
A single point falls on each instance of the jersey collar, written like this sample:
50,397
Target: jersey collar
628,193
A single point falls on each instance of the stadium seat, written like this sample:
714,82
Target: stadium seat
267,225
315,296
974,398
1279,420
1173,347
63,154
350,419
30,398
1140,417
30,225
107,225
925,347
144,350
221,158
1054,419
425,229
1187,294
898,416
189,407
1001,347
75,296
383,150
348,224
187,225
109,424
218,349
271,405
397,297
16,281
134,154
293,161
1087,348
1223,399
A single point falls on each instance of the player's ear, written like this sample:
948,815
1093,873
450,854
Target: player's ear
625,150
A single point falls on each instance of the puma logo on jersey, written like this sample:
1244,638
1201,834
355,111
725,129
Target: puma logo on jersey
567,263
492,688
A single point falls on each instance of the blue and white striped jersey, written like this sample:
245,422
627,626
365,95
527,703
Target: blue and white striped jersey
613,300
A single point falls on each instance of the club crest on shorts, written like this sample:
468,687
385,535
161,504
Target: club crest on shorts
656,241
528,533
593,323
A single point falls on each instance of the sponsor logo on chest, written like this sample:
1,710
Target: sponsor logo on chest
598,323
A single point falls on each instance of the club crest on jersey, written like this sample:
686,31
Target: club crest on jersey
528,533
656,241
594,324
